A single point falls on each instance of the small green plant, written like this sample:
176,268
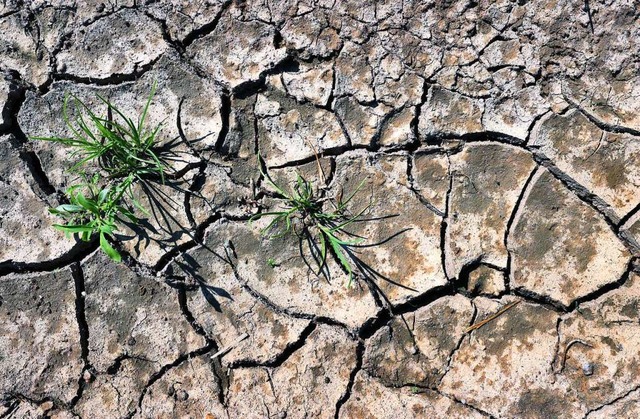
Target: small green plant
272,262
319,220
119,145
111,154
95,213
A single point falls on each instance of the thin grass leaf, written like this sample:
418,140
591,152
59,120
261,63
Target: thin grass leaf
109,250
87,203
323,253
73,228
337,249
146,107
65,208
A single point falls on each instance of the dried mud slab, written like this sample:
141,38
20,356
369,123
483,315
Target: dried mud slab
224,310
407,260
26,235
370,399
216,190
20,50
608,86
502,135
95,53
117,392
40,348
514,114
183,391
486,280
290,285
246,59
430,174
185,19
487,179
598,347
561,248
449,114
362,124
504,368
310,83
320,369
135,329
133,316
290,132
604,162
416,350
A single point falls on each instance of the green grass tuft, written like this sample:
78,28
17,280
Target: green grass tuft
321,221
111,154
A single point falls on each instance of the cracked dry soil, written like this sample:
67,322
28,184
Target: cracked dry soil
505,134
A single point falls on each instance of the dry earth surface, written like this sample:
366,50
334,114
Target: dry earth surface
505,134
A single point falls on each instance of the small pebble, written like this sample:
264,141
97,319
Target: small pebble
87,377
587,368
182,395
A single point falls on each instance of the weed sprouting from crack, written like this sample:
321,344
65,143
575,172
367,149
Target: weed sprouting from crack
318,220
112,153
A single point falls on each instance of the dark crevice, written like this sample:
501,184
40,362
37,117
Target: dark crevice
182,302
424,299
17,96
423,101
83,329
459,344
329,152
352,378
606,288
274,307
113,79
540,299
444,223
560,307
373,324
282,357
465,404
220,373
374,144
198,237
617,399
601,124
462,281
117,363
416,193
225,115
78,252
579,190
251,87
532,125
511,220
556,349
281,310
83,326
343,128
181,133
628,216
196,184
164,31
205,29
